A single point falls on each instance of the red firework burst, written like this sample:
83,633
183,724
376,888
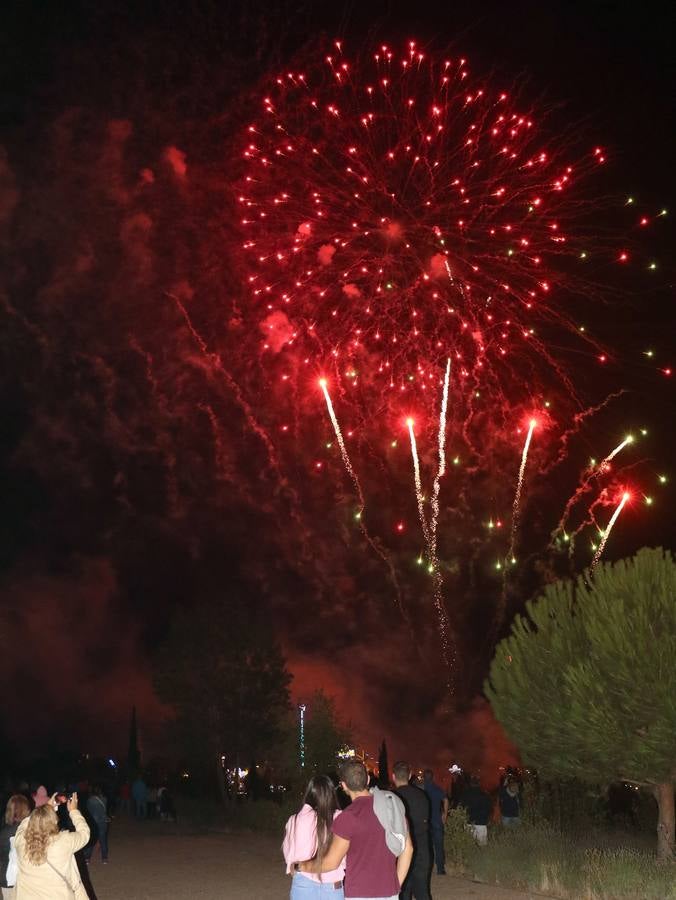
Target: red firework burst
397,214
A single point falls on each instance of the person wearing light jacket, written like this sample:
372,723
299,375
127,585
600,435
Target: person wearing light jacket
46,856
308,835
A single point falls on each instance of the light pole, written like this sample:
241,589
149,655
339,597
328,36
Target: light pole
301,733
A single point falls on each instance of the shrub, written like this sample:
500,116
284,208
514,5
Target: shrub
458,841
263,815
541,858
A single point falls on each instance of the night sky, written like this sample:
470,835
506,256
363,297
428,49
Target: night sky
142,460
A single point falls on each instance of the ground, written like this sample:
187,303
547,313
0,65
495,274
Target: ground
152,861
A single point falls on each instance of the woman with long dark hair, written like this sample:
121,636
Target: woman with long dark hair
308,835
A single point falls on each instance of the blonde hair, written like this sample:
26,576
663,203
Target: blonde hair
43,826
17,809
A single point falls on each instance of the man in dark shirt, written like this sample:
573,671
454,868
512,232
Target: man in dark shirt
416,801
438,816
478,805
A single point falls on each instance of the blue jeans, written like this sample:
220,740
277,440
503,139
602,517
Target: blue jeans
304,888
509,821
100,835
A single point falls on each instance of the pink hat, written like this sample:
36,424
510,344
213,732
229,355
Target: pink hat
41,796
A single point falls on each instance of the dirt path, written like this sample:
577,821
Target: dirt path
149,862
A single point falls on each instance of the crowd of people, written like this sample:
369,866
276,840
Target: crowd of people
381,843
48,839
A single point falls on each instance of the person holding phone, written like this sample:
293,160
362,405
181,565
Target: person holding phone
46,856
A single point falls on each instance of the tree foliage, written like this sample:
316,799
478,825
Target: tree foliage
585,685
325,734
225,679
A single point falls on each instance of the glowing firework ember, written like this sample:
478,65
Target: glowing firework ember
606,534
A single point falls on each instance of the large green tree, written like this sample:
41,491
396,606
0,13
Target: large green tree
324,735
224,676
585,685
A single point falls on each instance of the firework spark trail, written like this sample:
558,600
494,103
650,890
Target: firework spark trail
578,421
441,471
418,489
372,542
447,649
343,449
606,534
254,424
519,487
588,477
510,560
447,646
628,440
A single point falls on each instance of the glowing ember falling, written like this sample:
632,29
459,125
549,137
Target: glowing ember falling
606,534
519,487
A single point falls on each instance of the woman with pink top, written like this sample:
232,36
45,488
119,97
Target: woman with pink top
308,835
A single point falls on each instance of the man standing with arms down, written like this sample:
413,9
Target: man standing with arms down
416,801
438,816
372,869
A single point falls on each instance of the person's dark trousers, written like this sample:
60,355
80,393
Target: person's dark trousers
103,840
438,844
100,835
417,884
